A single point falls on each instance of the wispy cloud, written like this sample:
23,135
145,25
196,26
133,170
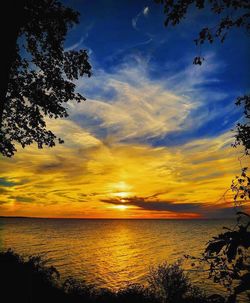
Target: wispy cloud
81,175
7,183
76,45
83,38
144,12
147,204
134,106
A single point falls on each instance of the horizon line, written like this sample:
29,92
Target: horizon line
98,218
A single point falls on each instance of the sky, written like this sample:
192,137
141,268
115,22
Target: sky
153,139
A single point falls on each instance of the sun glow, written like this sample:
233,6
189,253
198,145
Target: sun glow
120,207
122,194
121,190
118,186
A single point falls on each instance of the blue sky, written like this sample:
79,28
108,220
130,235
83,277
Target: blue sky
122,33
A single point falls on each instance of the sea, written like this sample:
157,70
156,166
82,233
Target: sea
112,253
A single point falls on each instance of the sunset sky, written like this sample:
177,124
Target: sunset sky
153,139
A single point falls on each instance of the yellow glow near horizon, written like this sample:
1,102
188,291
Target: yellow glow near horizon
121,185
87,182
120,207
122,194
120,188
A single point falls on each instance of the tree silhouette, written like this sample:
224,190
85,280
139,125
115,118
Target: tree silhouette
227,255
230,14
36,73
242,136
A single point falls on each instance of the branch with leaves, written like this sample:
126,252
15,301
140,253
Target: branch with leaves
230,14
40,79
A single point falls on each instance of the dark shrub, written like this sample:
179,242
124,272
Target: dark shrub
136,293
27,280
32,281
170,284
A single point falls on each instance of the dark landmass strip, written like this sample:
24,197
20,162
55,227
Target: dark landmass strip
132,219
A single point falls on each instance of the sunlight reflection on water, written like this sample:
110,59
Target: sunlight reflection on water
110,253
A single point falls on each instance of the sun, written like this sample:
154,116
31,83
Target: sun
120,207
122,194
120,190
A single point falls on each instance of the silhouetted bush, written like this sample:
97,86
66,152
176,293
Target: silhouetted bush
170,284
28,280
136,293
103,295
31,280
76,290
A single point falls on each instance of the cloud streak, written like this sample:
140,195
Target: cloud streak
144,12
84,174
139,108
147,204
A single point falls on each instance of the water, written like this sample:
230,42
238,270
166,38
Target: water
110,253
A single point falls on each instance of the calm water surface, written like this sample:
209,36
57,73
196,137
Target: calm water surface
110,253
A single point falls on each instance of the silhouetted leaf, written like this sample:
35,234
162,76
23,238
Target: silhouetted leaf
215,246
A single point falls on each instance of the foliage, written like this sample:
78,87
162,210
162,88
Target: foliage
76,289
242,136
41,75
241,184
241,187
136,293
27,280
31,280
227,258
170,284
230,14
34,264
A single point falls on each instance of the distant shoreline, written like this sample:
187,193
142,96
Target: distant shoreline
161,219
